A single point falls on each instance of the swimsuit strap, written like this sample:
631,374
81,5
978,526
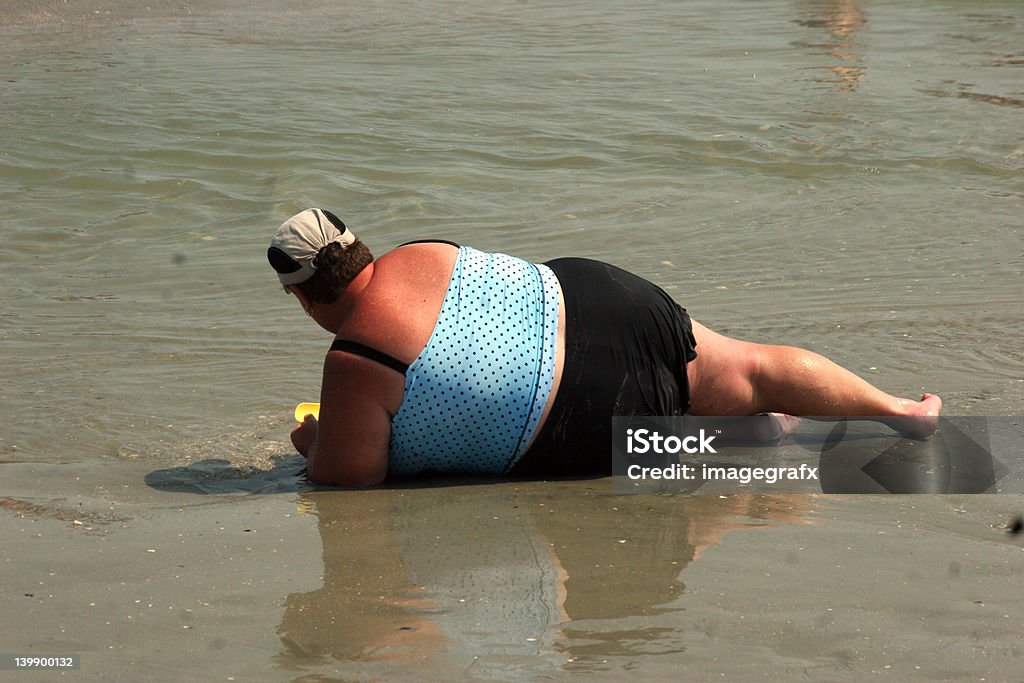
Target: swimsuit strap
365,351
448,242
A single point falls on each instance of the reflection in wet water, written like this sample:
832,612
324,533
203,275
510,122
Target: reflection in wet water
842,19
556,577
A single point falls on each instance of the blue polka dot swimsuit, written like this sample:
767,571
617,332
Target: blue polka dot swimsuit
474,396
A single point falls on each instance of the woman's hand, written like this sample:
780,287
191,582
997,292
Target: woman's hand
304,436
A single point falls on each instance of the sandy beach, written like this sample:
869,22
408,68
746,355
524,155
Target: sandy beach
261,577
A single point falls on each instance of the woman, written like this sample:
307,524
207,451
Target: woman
450,359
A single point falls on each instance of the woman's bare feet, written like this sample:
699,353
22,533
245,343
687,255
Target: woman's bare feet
774,427
917,419
764,428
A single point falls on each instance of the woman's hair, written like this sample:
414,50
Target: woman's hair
336,266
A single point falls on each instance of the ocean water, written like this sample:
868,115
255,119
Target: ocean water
845,176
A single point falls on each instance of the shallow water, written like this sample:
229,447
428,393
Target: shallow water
840,175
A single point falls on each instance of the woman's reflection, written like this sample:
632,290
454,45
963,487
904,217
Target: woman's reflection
523,578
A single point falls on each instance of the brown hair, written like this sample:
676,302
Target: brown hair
336,266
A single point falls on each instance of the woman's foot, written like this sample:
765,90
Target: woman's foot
917,419
763,428
775,427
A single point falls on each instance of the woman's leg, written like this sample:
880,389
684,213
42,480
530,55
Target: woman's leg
732,377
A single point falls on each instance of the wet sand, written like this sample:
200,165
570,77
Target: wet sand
220,572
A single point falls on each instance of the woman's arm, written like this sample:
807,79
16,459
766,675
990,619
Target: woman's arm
349,445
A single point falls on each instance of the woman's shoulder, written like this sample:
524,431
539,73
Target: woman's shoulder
414,262
398,308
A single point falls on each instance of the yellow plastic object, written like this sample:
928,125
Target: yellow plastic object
304,409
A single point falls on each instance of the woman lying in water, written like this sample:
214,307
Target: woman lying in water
448,359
